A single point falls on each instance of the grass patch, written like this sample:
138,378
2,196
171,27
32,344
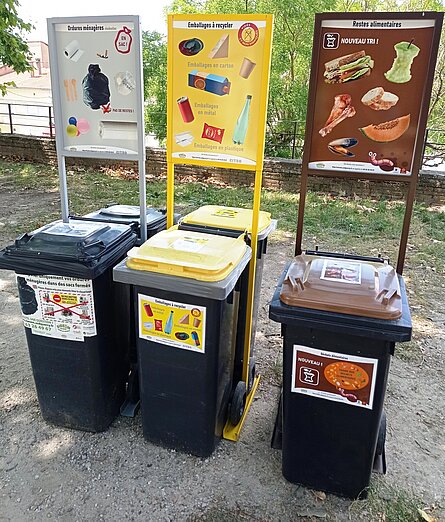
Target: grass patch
387,504
219,514
409,352
28,176
353,225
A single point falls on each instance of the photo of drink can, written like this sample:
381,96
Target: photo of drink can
148,310
195,337
185,109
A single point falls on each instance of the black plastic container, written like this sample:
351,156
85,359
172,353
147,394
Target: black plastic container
185,389
156,221
330,442
231,222
72,313
130,215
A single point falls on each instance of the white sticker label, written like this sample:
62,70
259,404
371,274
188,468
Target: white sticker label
334,376
342,272
189,244
57,306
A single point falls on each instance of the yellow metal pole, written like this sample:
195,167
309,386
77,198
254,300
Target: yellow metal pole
170,193
170,164
252,271
233,432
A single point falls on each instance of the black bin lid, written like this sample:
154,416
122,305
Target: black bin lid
128,214
75,240
83,249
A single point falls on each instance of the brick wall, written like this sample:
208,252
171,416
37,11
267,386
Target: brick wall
278,174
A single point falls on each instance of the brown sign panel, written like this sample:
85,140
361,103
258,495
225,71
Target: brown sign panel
370,88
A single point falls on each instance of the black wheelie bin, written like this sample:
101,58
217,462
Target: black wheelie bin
71,311
156,221
186,297
232,221
340,318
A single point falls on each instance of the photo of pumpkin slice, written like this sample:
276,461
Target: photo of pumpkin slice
388,130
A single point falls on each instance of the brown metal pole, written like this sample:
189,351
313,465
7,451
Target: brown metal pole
406,224
301,205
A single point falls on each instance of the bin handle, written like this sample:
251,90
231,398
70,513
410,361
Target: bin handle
388,285
91,246
296,282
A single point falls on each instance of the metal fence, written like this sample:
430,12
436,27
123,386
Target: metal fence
284,138
31,120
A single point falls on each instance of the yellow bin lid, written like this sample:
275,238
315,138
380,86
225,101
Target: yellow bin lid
227,217
205,257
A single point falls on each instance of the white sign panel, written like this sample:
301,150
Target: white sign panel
96,85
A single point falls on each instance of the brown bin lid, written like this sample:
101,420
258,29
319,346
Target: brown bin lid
341,285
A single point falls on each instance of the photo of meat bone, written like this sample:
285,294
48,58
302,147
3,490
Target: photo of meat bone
379,100
348,68
341,110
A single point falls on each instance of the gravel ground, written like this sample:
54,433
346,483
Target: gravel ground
51,473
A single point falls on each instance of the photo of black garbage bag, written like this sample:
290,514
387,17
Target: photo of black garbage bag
27,296
96,91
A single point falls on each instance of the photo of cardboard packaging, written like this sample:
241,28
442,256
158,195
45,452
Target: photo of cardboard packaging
246,68
209,82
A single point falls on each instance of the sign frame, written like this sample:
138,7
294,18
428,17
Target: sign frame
264,88
62,154
409,180
230,432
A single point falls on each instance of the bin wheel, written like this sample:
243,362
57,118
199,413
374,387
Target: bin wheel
236,409
252,374
381,439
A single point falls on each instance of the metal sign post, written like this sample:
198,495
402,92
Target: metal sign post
370,88
97,89
218,81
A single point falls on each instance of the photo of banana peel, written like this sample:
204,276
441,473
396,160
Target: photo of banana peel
348,68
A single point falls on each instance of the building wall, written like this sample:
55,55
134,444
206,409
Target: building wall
278,174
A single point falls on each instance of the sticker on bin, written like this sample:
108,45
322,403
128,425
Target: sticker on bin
189,244
341,272
57,306
174,324
334,376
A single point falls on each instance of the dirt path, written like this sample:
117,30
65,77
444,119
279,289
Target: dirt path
52,473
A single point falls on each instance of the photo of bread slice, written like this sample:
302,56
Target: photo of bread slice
379,100
348,67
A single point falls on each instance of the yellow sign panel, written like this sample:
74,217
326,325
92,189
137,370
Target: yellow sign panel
174,324
218,77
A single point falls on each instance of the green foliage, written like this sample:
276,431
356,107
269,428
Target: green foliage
14,50
154,57
291,61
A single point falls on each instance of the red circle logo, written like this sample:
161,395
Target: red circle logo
57,298
248,34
